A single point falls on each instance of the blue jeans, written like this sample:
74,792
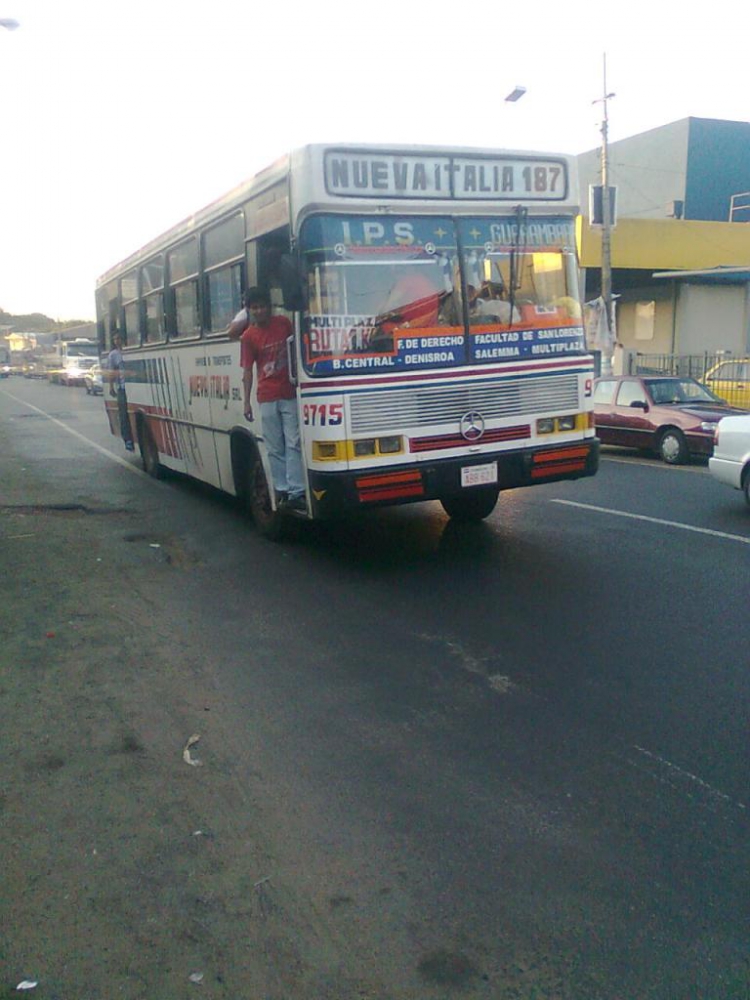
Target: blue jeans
281,433
122,409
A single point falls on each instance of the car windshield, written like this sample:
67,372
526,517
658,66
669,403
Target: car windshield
679,390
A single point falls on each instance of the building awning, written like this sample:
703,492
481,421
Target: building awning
710,276
668,245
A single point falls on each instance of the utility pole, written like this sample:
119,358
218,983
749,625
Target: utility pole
606,211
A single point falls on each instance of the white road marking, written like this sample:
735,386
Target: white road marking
685,777
76,434
653,464
655,520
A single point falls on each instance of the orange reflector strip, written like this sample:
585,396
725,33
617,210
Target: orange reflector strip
390,486
560,455
417,490
555,470
387,479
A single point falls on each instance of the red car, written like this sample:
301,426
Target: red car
670,415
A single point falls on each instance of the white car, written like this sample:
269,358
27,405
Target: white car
730,462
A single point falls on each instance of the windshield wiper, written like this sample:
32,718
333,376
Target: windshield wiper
522,215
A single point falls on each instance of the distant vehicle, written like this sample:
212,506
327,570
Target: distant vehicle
5,365
71,360
34,368
93,380
730,462
730,379
672,416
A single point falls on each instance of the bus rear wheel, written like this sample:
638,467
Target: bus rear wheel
149,452
473,506
269,522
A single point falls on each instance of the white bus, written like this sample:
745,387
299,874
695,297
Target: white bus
438,348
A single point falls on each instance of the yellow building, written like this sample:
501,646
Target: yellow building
683,286
680,248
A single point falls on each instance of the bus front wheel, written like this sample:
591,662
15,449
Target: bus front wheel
473,506
268,521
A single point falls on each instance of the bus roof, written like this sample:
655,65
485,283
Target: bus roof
355,177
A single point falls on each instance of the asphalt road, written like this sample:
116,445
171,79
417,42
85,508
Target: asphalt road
507,761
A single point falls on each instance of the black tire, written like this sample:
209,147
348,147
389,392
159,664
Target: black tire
746,486
149,452
269,522
473,505
673,447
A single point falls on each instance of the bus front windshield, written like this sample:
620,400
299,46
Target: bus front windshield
398,293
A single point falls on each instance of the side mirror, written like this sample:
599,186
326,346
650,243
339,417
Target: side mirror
292,288
639,404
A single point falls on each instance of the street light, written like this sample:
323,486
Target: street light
10,23
516,94
606,262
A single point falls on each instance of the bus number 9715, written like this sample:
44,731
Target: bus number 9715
322,414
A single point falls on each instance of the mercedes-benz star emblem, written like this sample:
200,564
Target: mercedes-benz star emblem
472,425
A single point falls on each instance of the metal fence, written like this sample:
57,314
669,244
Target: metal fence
693,365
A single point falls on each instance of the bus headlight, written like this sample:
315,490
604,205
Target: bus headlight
341,451
364,447
390,445
328,451
546,425
566,423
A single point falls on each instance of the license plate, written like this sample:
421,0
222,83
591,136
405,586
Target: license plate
479,475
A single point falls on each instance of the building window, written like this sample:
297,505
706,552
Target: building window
645,315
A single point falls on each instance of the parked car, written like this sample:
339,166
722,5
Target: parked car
730,462
730,379
670,415
93,380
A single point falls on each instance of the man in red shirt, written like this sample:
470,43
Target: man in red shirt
264,345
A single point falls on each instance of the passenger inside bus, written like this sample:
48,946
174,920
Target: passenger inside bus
413,302
488,304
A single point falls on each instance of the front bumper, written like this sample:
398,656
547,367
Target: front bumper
333,492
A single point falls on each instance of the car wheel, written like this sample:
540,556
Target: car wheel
149,452
746,486
269,522
473,506
673,447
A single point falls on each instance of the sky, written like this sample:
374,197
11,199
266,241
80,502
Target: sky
119,119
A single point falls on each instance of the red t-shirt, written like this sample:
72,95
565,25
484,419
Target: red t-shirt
266,347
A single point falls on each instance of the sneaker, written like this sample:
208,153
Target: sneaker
129,446
298,503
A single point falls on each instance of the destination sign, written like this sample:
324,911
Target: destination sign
465,178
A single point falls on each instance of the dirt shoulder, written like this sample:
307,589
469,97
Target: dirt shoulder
127,868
